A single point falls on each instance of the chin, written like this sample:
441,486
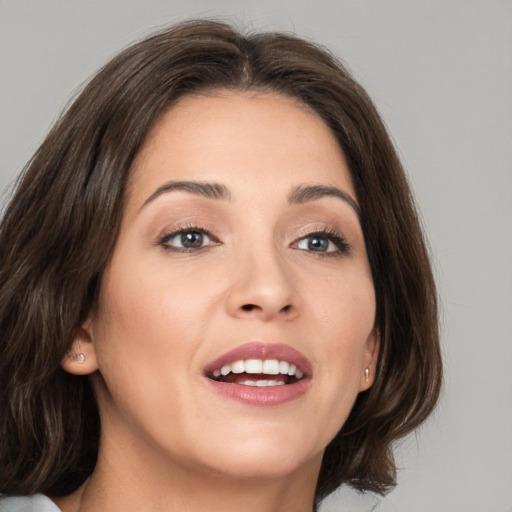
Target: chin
263,457
268,466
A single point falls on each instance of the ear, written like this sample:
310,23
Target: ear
370,358
81,358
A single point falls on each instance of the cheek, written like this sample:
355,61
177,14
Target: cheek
344,307
351,328
141,300
144,340
345,313
151,324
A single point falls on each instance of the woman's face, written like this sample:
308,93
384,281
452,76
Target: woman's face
240,243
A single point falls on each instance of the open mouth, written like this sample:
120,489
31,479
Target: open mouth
257,372
260,374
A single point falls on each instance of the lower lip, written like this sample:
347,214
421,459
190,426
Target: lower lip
260,396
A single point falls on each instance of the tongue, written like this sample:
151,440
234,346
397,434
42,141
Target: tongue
237,378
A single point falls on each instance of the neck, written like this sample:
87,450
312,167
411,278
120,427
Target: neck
144,482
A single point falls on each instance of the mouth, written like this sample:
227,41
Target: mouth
260,374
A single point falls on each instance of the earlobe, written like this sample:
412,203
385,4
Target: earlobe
370,359
81,358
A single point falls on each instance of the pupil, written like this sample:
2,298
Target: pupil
192,239
318,244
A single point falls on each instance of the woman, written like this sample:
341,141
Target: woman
214,287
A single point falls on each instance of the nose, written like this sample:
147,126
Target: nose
262,287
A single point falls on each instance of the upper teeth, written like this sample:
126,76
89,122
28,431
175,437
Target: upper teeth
266,366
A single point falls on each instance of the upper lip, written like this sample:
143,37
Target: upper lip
261,350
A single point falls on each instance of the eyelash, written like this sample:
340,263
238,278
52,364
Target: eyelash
163,241
328,233
331,235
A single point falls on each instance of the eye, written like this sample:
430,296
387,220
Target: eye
187,240
323,242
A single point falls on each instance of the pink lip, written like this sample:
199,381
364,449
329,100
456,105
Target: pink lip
261,396
259,350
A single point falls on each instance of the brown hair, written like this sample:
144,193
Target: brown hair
60,228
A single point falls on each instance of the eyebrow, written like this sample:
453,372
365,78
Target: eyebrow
307,193
210,190
200,188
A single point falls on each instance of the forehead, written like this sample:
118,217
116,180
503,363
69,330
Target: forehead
245,140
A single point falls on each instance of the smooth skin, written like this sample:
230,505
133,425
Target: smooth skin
194,275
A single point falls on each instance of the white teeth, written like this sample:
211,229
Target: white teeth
238,367
253,366
262,383
284,367
267,366
265,383
271,366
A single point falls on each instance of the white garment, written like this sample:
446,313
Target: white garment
36,503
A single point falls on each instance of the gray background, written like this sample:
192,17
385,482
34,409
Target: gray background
441,75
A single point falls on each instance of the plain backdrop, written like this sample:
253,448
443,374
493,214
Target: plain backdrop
440,72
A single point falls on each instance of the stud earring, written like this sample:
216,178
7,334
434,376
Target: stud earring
79,358
367,374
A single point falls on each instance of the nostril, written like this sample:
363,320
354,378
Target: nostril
252,307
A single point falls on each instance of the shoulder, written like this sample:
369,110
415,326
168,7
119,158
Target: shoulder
36,503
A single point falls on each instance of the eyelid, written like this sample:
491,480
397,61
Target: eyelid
329,232
178,229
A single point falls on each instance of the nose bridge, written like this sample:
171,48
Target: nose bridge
262,283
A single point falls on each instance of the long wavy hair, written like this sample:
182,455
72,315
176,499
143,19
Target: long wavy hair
60,227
